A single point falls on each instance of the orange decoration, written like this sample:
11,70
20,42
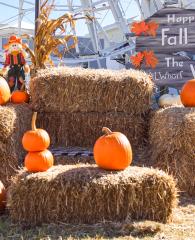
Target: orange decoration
4,91
19,97
2,197
137,59
150,59
152,28
188,94
149,28
39,161
35,140
139,27
112,151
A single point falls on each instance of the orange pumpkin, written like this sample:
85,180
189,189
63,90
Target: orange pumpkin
188,94
35,140
112,151
19,97
39,161
2,197
4,91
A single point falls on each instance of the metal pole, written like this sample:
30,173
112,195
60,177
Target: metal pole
37,11
20,16
118,16
140,9
87,4
73,30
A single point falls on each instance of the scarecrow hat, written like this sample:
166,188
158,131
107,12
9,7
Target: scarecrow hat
12,39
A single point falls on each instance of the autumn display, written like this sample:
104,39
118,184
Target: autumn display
124,146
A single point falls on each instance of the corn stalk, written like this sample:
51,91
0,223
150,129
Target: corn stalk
46,42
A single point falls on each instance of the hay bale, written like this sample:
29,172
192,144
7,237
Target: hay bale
86,194
65,89
69,160
83,129
14,121
172,140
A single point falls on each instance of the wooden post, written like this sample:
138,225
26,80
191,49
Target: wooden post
37,10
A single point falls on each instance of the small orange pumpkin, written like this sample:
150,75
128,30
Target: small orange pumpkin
2,197
112,151
4,91
35,140
19,96
39,161
188,94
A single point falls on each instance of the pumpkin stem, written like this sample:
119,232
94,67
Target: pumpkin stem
106,130
33,123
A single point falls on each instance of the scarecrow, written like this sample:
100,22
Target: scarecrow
15,63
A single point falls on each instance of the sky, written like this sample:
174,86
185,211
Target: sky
9,15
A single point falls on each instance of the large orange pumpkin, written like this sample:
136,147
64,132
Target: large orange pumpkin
19,97
35,140
4,91
39,161
188,94
2,197
112,151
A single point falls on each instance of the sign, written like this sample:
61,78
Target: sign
173,46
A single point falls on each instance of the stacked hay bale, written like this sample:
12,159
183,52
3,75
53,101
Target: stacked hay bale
172,140
87,194
74,104
14,121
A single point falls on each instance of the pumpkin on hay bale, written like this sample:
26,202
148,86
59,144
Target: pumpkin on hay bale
91,90
83,129
37,139
188,94
167,100
4,91
87,194
39,161
19,96
14,121
172,142
112,151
